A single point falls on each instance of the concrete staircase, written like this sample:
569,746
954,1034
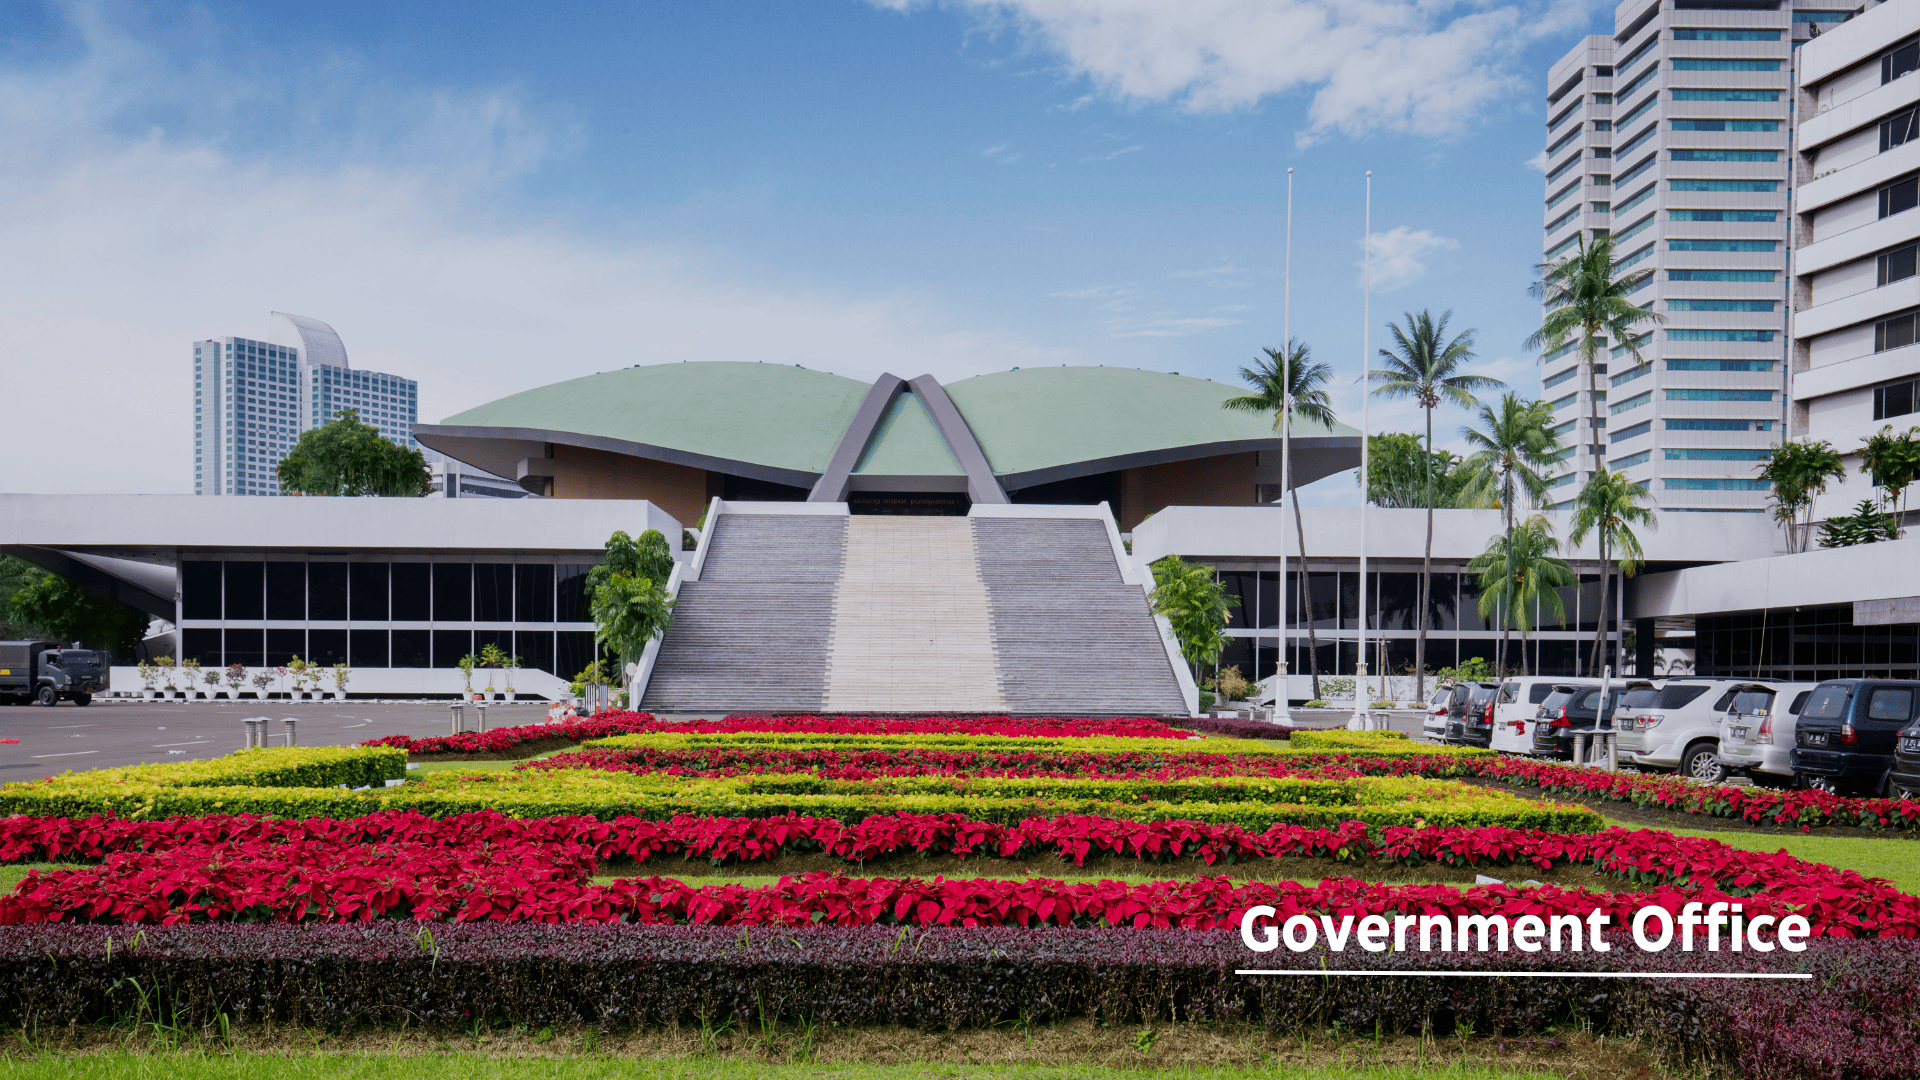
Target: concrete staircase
837,614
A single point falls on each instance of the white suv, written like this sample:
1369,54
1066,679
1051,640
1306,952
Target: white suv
1515,709
1679,729
1756,730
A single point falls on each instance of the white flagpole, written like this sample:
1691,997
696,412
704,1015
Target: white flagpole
1360,699
1282,714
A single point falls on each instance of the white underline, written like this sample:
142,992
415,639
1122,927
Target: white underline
76,753
1536,974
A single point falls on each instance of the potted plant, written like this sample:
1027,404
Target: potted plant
190,677
491,658
513,664
340,674
166,666
212,678
300,671
236,677
149,672
261,681
466,674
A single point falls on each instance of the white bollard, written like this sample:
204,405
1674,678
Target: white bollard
290,721
457,717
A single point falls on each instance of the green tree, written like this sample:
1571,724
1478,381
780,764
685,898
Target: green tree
1519,572
1425,366
347,457
1195,605
1866,525
1893,461
1514,442
1610,505
1587,297
1798,472
628,613
1404,476
1284,384
648,557
49,606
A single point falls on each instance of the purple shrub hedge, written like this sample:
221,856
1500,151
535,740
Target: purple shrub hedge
1858,1018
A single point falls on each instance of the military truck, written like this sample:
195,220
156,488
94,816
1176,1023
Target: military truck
45,672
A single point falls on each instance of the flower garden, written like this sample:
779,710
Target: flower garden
948,875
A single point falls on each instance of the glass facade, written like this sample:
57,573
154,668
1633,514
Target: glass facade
1803,645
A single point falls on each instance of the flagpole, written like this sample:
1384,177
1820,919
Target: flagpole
1282,714
1360,700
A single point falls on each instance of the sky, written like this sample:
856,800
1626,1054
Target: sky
487,197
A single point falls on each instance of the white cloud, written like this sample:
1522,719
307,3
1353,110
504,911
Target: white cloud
1538,162
1398,257
123,249
1174,327
1423,66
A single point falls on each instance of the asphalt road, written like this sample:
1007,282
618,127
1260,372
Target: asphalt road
104,735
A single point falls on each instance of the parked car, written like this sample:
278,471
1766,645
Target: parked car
1678,729
1574,710
1435,725
1849,732
1756,729
1904,781
1515,710
1470,713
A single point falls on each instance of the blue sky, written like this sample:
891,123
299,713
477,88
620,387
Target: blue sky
489,196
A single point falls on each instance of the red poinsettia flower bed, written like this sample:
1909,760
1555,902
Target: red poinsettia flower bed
482,866
832,764
501,740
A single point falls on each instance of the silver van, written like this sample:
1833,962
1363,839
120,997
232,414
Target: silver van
1756,729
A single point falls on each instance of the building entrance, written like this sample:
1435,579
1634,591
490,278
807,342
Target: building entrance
910,503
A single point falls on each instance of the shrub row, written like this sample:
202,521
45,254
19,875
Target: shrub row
297,781
503,740
1043,727
836,763
1858,1017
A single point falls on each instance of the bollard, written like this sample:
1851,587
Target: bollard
290,721
1580,749
481,707
255,726
458,718
1613,752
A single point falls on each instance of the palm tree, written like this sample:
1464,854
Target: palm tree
1425,366
1587,302
1517,442
1520,570
1893,461
1283,382
1797,472
1611,505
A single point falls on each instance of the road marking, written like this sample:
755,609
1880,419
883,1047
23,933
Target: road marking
196,742
63,727
76,753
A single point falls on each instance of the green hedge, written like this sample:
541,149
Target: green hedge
1382,741
300,781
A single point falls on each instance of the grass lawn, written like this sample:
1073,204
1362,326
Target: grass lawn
1896,860
471,1066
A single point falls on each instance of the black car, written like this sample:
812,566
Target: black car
1570,711
1470,714
1849,733
1904,781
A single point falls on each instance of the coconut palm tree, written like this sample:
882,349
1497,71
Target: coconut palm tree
1425,366
1797,472
1587,302
1610,505
1281,382
1514,442
1519,572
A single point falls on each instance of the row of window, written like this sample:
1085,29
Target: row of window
558,652
245,591
1689,394
1690,423
1896,399
1692,453
1721,305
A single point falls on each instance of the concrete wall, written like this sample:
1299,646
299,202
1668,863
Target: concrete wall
1226,480
1822,576
583,473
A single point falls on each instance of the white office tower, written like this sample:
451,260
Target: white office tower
252,399
1672,136
1856,367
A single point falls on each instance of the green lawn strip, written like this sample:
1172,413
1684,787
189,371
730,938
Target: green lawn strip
418,768
11,876
249,1066
1896,860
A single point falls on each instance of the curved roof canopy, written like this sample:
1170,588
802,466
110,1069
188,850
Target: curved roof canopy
785,424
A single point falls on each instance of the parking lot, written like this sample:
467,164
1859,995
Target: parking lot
107,734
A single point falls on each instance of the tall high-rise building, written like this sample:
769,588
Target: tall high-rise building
252,399
1856,296
1672,135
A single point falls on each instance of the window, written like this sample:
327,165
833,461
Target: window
1898,264
1891,703
1898,130
1645,164
1900,61
1559,480
1562,429
1721,245
1638,197
1719,395
1702,34
1633,258
1726,125
1636,55
1569,190
1715,483
1633,432
1720,335
1719,365
1631,374
1635,229
1562,170
1631,460
1715,453
1726,95
1723,155
1722,185
1563,219
1726,65
1895,399
1639,81
1564,142
1603,99
1722,215
1893,333
1599,207
1564,402
1637,111
1720,275
1899,196
1705,424
1562,118
1720,305
1632,403
1556,380
1632,346
1637,141
1601,179
1563,247
1557,354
